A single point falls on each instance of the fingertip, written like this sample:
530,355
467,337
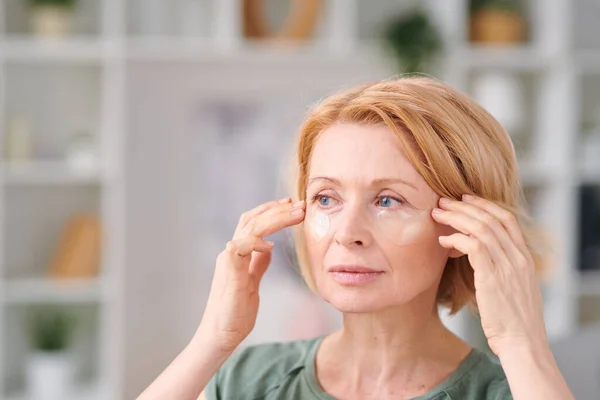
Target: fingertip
230,246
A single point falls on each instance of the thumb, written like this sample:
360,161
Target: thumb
259,264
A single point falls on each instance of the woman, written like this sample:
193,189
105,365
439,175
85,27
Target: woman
408,197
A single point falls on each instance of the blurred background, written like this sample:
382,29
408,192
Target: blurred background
135,132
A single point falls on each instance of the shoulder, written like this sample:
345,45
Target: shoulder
483,379
256,370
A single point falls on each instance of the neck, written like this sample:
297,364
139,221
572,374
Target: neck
394,336
406,346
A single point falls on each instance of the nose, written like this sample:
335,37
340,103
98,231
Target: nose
352,228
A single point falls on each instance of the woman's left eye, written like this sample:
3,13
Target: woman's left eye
388,202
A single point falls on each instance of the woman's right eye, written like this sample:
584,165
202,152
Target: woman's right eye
324,201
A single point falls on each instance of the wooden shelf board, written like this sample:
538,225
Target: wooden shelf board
46,290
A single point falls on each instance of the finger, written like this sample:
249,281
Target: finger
506,242
508,219
248,215
479,257
276,219
259,264
245,246
474,228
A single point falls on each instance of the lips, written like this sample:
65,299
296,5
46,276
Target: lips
358,269
352,275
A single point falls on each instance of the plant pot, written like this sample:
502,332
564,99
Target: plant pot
49,375
50,21
497,27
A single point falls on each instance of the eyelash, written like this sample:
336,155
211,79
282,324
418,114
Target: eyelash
317,197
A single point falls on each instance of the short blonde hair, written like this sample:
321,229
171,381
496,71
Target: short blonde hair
455,144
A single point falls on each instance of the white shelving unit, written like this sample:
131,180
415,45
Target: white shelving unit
62,86
104,51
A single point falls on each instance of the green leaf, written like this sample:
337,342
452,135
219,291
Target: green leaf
413,41
50,328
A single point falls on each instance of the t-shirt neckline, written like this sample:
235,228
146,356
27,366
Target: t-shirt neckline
310,374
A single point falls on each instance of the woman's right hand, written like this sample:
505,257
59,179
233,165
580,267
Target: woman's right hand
232,305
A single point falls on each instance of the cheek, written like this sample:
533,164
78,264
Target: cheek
319,225
316,229
411,244
403,229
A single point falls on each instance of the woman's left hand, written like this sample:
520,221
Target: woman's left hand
506,286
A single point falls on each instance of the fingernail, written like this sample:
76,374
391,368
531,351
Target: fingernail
444,201
298,204
284,200
467,197
437,211
270,243
297,211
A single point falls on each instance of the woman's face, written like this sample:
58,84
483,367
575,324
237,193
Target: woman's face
370,237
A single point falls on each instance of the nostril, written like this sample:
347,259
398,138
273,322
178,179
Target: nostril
359,242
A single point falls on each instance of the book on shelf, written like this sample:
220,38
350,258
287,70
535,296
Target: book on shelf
78,252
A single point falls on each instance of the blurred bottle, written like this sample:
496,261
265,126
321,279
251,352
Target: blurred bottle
19,143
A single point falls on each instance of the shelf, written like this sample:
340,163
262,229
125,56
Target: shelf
277,52
589,283
78,49
47,173
38,290
82,392
518,58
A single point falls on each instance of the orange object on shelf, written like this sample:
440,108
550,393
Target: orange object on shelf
299,24
78,252
497,27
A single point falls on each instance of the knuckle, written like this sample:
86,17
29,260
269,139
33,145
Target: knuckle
522,261
489,218
230,246
509,217
251,225
481,228
477,246
244,218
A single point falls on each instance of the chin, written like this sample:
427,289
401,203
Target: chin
351,299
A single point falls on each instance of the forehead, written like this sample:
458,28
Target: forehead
356,151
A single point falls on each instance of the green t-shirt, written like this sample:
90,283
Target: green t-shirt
286,371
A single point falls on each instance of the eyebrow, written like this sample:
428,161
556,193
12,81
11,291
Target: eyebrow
375,182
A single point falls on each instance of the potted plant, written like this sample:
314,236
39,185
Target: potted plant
51,18
414,42
50,368
497,22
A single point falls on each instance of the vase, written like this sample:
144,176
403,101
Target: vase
82,154
501,94
49,375
50,21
